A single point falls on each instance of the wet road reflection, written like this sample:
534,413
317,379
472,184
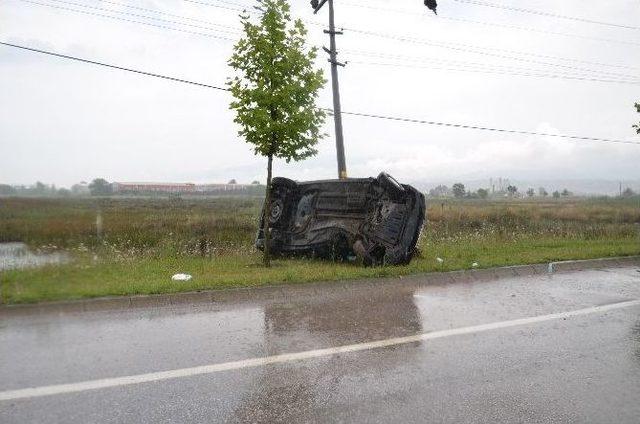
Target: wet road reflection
277,396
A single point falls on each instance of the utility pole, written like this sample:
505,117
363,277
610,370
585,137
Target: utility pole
333,53
337,109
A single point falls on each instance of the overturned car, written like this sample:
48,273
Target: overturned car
376,220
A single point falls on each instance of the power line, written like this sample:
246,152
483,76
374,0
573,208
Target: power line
236,31
542,31
584,71
232,3
481,50
526,73
475,127
546,14
240,8
380,64
458,46
500,72
360,114
469,48
244,9
107,65
128,20
514,27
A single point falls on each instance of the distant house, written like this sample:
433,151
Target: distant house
177,188
152,188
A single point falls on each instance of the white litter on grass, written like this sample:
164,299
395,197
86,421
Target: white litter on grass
181,277
474,265
440,260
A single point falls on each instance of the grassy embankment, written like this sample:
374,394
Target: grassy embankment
145,241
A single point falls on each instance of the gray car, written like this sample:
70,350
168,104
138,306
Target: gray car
375,220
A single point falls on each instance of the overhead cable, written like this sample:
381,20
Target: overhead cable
532,73
133,21
440,16
360,114
419,59
475,127
481,50
546,14
107,65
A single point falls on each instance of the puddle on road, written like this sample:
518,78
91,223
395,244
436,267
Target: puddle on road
18,255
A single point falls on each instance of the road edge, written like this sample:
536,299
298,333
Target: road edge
285,291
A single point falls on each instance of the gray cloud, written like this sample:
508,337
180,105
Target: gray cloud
62,121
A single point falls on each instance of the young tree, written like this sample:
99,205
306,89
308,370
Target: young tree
628,192
542,192
512,190
483,193
566,193
531,192
637,127
458,190
556,194
275,89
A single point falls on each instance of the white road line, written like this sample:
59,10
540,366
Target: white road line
289,357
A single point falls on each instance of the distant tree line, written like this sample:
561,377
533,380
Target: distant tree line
459,191
97,187
39,189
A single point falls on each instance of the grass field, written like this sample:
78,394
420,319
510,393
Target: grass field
144,241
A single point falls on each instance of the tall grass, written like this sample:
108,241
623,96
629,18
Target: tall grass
208,227
514,220
137,226
145,241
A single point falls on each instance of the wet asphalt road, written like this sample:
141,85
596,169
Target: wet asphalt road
576,369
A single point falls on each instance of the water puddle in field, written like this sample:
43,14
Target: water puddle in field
17,255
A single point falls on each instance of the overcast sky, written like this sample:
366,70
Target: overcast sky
62,121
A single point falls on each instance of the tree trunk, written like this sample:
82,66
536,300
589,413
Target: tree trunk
267,213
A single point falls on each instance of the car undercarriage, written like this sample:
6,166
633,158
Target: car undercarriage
374,220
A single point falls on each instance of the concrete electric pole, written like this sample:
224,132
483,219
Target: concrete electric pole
337,109
333,53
